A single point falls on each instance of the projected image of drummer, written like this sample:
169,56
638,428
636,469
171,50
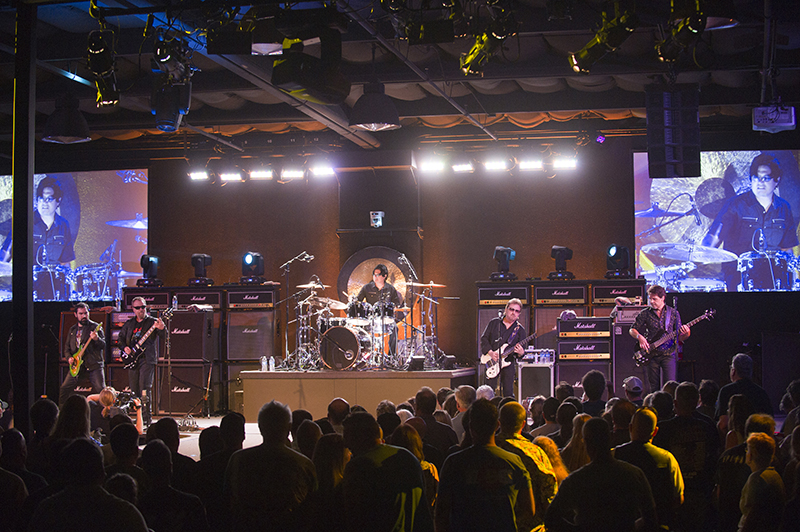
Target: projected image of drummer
383,298
52,239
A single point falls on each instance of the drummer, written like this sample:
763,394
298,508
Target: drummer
379,294
52,238
757,220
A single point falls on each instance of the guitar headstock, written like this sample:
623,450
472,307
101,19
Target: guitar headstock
710,313
167,314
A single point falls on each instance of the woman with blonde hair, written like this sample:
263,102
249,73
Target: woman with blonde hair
574,453
551,450
103,407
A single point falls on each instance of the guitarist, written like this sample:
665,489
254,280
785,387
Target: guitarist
500,331
651,323
140,378
93,359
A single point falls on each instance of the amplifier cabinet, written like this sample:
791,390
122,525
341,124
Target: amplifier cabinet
498,294
193,296
535,379
255,296
604,293
250,334
182,391
156,298
584,349
192,337
557,293
584,328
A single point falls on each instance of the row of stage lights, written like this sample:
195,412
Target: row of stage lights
429,164
252,270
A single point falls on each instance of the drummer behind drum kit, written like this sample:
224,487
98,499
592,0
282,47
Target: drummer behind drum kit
364,338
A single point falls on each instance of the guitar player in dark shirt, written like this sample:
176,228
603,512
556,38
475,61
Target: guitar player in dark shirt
499,332
652,323
141,376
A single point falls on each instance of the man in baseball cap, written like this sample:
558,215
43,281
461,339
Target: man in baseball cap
633,390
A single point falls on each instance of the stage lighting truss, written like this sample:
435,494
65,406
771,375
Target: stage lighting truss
100,57
608,38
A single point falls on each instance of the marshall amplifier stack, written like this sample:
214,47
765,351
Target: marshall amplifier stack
584,344
550,299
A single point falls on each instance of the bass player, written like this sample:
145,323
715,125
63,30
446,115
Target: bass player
500,331
91,363
140,377
652,323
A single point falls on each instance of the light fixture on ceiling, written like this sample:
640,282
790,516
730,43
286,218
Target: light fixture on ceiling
172,87
683,33
607,39
374,111
100,58
66,125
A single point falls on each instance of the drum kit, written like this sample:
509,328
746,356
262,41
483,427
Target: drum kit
356,335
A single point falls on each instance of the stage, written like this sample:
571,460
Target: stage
313,390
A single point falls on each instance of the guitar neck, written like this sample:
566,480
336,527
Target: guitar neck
669,336
145,336
510,349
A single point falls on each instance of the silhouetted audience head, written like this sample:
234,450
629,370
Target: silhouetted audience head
643,424
670,387
566,411
484,392
663,404
73,419
742,364
44,414
709,391
597,438
119,419
123,486
338,409
157,462
166,430
298,416
232,430
594,384
407,437
330,458
550,408
361,432
425,402
633,387
622,413
575,402
686,398
388,422
124,440
82,462
14,450
465,396
739,409
512,418
419,425
307,436
564,390
794,391
442,394
483,421
385,406
210,441
760,423
760,450
274,422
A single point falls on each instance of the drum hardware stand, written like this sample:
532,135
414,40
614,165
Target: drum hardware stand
286,364
286,267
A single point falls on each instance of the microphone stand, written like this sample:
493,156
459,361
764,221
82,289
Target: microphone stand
58,344
305,257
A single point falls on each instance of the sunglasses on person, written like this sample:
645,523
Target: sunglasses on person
763,178
140,307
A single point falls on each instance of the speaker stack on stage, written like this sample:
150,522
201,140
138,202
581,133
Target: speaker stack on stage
492,299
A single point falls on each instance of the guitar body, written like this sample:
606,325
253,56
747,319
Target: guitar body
131,360
493,368
77,358
641,357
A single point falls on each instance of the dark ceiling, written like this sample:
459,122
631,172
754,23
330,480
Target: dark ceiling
528,90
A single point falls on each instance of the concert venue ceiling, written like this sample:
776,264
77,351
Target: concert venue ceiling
520,87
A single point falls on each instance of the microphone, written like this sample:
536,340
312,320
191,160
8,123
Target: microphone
306,257
696,213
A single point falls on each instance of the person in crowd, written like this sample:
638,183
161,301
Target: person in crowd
470,496
209,441
338,410
536,409
383,484
659,466
267,484
694,442
566,412
594,384
12,496
43,415
793,417
564,390
709,391
407,437
606,494
307,434
576,402
442,416
389,421
741,374
84,349
73,419
550,449
543,479
633,388
385,406
84,504
138,340
164,508
436,434
574,453
763,495
792,468
484,391
183,467
503,336
732,474
298,416
739,409
124,439
549,412
14,458
123,486
465,395
621,416
664,405
451,406
670,387
441,396
326,504
103,407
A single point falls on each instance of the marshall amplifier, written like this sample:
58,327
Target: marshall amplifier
155,299
584,328
182,389
192,337
212,298
605,294
628,314
560,294
251,334
261,296
499,294
584,349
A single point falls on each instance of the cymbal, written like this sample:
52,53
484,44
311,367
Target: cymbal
123,273
5,269
138,223
427,285
314,285
688,252
403,309
655,212
712,194
319,301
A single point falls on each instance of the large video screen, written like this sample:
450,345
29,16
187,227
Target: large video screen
90,230
733,229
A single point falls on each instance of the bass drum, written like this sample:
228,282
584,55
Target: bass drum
342,347
52,283
766,271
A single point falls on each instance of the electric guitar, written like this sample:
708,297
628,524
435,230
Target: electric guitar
77,358
493,368
641,357
131,360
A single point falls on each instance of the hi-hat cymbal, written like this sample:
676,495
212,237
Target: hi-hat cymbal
314,285
688,252
319,301
428,285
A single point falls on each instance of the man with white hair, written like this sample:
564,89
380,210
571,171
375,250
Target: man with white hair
465,396
484,392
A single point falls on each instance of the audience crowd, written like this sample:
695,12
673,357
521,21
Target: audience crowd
684,459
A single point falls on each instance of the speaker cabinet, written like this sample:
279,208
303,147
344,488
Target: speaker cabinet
84,386
487,314
251,334
192,337
673,130
182,391
624,366
118,378
534,379
545,320
68,319
233,384
572,373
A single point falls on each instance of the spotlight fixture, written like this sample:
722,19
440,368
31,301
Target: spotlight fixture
617,262
252,269
463,165
172,87
503,255
66,125
432,165
101,62
607,39
477,57
376,219
200,261
683,34
149,264
375,111
562,255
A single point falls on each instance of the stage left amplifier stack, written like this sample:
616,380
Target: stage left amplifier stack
584,344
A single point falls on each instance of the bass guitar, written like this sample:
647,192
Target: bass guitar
493,368
131,360
77,358
642,357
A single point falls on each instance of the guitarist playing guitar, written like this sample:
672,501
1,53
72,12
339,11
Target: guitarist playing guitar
651,323
88,335
140,376
501,331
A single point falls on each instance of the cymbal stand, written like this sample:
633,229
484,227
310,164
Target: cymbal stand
286,267
287,362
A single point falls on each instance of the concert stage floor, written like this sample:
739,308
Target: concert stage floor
313,391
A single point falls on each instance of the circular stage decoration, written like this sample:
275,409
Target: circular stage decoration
357,271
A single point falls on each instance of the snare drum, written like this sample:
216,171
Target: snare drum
325,323
342,347
358,313
384,312
699,285
766,271
52,283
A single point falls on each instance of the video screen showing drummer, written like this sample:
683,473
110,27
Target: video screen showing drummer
383,298
53,242
754,223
